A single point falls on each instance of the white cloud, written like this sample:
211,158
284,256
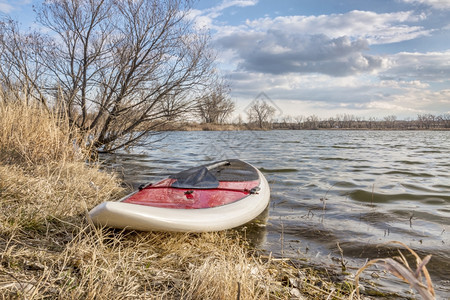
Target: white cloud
279,51
430,66
375,28
438,4
6,7
311,87
327,96
403,83
240,3
322,64
205,18
329,44
201,20
415,101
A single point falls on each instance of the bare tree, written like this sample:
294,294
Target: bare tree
287,122
299,121
331,122
426,120
216,106
260,113
389,121
312,122
20,70
371,123
445,119
120,69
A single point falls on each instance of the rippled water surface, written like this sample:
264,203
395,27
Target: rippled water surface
356,188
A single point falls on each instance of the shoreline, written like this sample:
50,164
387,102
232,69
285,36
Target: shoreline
244,127
49,249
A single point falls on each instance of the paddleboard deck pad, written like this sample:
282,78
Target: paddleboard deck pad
210,197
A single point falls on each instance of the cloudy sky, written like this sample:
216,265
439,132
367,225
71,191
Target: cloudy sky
327,57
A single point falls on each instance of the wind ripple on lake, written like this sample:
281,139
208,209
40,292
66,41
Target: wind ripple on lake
358,188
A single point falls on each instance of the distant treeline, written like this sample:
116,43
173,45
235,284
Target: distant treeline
346,121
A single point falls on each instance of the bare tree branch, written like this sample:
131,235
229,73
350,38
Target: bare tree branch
216,106
119,67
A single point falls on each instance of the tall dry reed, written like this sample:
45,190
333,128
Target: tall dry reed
419,278
32,135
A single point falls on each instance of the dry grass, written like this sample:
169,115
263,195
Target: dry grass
49,250
101,264
400,268
30,135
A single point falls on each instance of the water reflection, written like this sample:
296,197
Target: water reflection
358,188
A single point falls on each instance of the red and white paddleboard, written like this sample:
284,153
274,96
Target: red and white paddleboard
211,197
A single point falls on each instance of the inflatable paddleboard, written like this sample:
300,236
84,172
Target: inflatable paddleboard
211,197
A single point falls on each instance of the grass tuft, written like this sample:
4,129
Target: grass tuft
400,268
31,135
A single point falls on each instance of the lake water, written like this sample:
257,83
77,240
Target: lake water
356,188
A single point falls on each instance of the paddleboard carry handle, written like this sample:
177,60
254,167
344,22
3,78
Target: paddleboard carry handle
219,164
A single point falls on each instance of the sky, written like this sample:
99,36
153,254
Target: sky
361,57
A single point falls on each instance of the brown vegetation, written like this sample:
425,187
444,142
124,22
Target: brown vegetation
342,122
48,248
117,69
216,106
260,114
347,121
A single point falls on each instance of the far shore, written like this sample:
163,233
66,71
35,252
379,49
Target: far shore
277,126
